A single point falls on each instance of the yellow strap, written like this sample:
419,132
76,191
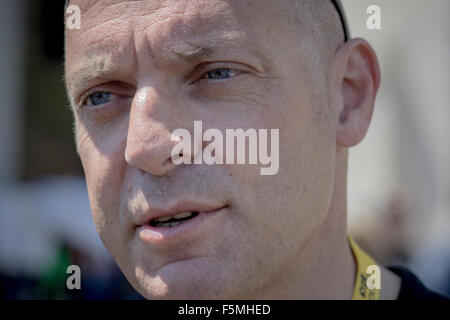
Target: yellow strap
363,260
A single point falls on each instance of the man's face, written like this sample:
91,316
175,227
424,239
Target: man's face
161,65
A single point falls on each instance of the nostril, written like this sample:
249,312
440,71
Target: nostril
151,154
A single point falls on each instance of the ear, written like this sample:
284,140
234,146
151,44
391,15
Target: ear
354,79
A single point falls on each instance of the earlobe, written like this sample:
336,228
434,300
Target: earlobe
356,79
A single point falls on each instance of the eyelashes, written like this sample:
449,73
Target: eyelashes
220,74
103,96
98,98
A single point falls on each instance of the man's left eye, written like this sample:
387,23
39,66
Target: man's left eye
98,98
220,74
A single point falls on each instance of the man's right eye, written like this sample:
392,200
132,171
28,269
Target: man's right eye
98,98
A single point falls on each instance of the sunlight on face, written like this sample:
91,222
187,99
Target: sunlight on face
136,71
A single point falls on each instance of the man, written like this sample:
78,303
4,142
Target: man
137,71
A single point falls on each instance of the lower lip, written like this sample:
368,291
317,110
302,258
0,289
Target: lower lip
149,233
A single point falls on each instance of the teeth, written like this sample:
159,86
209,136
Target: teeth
162,219
180,217
183,215
168,224
177,216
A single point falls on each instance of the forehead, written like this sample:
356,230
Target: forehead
115,30
165,22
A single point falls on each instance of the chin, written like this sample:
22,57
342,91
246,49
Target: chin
186,290
169,285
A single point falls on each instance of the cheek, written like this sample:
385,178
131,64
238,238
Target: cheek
291,204
102,156
307,157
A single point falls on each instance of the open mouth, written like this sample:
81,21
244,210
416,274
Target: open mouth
173,221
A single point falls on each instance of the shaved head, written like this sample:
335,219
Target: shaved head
321,31
321,23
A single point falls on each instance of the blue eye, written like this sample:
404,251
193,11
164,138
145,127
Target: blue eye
99,98
219,74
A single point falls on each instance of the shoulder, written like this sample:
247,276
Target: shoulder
412,288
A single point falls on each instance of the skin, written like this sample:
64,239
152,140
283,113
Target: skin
280,236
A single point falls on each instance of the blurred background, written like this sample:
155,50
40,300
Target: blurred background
399,177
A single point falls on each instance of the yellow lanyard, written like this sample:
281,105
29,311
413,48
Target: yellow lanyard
363,261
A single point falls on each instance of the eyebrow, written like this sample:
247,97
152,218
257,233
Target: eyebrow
97,66
101,66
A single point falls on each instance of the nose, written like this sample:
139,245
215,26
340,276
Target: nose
149,141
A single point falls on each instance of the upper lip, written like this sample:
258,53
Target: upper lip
178,207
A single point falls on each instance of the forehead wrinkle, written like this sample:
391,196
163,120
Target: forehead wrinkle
199,44
183,33
181,51
228,46
194,54
86,5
